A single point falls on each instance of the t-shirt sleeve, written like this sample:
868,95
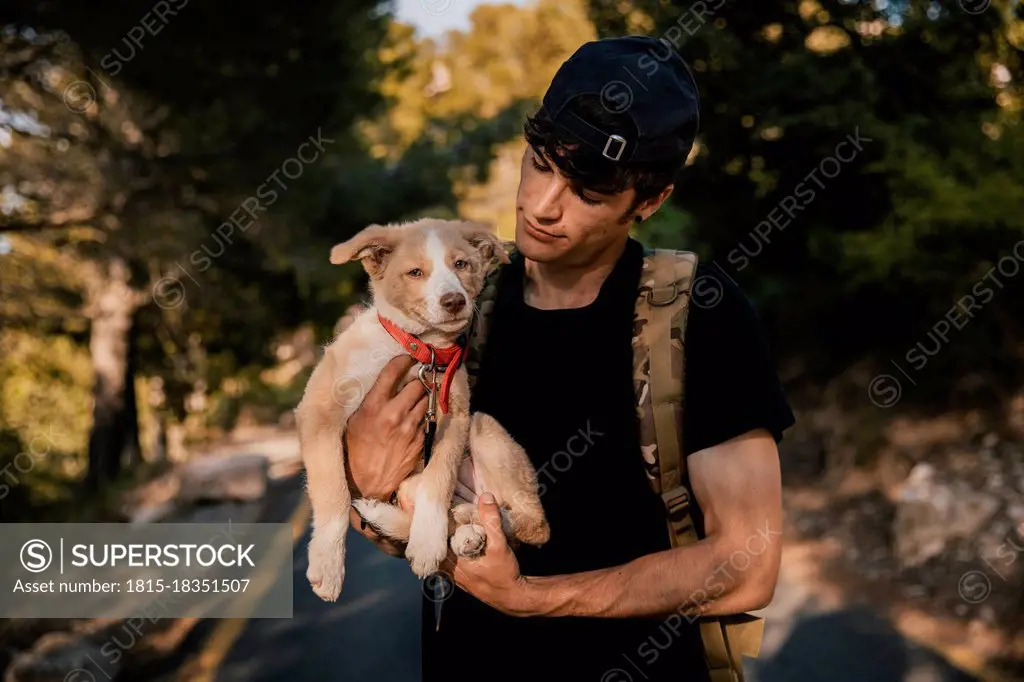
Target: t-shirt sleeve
732,384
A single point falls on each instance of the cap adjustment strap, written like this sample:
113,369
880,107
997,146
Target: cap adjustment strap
622,147
597,136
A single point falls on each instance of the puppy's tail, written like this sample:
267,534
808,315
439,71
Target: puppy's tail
386,519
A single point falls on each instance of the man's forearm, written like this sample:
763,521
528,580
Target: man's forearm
694,579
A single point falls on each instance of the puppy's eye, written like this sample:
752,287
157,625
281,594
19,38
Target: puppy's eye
415,273
461,264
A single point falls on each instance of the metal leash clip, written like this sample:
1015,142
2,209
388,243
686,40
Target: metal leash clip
430,385
430,421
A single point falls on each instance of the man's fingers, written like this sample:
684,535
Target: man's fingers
490,519
409,397
404,503
384,387
414,416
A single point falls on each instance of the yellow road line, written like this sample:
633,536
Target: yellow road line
228,630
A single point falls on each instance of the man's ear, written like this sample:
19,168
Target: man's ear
482,237
372,245
651,206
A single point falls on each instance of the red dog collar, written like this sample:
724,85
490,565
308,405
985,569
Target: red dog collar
449,357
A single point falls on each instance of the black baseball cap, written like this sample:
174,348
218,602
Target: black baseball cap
641,77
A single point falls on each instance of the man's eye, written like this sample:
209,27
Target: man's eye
587,200
542,169
415,272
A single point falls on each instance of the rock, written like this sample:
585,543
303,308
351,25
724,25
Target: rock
930,513
61,657
236,478
151,501
153,514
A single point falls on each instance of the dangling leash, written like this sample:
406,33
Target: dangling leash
432,359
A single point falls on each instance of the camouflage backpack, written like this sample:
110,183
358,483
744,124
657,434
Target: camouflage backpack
659,325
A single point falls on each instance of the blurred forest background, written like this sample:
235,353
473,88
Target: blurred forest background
137,321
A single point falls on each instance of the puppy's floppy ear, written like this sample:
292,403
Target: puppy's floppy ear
483,238
372,246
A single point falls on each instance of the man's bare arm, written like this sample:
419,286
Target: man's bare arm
732,570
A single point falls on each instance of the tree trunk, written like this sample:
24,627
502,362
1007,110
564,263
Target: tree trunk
111,305
160,439
131,447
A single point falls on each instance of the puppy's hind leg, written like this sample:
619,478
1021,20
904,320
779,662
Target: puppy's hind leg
506,468
388,519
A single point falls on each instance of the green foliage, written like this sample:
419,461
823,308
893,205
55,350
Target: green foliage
45,391
44,419
265,401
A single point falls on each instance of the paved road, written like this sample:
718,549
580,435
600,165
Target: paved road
371,633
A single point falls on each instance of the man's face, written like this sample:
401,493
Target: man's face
554,224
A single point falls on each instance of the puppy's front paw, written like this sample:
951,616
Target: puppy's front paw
469,540
326,570
428,539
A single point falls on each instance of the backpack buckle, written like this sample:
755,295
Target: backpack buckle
661,296
676,500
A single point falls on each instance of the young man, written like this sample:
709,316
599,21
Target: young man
596,602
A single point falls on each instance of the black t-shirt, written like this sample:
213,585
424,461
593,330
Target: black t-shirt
551,375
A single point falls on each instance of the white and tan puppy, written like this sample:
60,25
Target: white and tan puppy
424,278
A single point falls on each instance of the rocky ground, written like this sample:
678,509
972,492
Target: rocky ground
939,551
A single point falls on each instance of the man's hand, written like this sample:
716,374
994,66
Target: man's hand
384,438
493,577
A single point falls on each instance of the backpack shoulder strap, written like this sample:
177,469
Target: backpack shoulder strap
659,371
477,333
659,322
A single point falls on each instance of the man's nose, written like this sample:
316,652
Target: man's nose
453,302
548,204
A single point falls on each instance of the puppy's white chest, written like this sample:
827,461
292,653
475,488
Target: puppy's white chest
362,363
369,360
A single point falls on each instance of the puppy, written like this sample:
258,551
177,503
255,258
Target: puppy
424,279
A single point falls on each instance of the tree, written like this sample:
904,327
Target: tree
135,134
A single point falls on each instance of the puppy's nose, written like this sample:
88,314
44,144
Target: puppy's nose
453,302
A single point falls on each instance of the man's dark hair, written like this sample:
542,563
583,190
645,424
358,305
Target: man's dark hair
587,169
